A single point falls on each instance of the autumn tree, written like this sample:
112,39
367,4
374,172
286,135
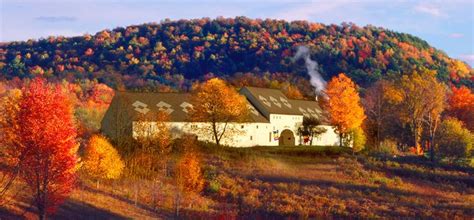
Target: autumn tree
344,106
101,159
188,174
378,110
152,132
455,141
417,97
292,92
461,105
218,105
311,127
153,136
47,135
357,139
436,103
10,157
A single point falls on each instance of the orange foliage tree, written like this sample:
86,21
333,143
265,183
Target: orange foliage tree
217,104
346,112
47,135
293,92
461,105
101,159
188,175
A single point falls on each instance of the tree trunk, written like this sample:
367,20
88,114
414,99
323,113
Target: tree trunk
216,136
340,139
41,212
416,138
378,134
178,202
136,193
311,140
431,149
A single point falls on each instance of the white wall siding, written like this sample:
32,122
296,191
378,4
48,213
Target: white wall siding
328,138
244,134
240,135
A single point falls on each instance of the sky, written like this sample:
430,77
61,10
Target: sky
447,25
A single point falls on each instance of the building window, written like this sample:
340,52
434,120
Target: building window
251,137
242,126
257,126
194,126
270,137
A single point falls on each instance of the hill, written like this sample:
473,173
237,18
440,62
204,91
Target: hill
280,182
172,54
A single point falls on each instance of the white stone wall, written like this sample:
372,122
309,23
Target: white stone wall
236,135
329,138
281,122
246,134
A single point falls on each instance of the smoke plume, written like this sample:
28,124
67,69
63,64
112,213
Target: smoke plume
312,67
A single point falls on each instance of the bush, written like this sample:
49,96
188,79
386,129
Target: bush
359,139
189,175
214,186
101,159
387,147
454,140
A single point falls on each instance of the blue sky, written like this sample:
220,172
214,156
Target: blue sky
446,25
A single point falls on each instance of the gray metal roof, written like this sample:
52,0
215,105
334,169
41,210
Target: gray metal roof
177,105
273,101
270,101
310,109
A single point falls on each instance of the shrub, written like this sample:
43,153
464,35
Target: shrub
388,147
101,159
358,138
454,140
214,186
189,175
146,164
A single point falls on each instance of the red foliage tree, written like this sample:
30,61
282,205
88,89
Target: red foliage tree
461,105
47,134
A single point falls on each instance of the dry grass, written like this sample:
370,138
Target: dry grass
266,183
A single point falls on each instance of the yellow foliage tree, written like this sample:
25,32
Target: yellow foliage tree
10,158
101,160
154,136
153,133
420,98
217,104
344,105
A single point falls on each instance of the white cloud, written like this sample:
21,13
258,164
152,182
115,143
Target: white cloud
307,10
456,35
56,18
467,57
430,9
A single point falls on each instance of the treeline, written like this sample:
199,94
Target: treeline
171,54
418,113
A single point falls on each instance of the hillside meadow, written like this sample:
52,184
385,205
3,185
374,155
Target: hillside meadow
275,182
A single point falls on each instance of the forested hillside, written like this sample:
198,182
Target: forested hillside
170,54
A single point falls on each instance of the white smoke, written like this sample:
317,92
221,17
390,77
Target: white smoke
312,67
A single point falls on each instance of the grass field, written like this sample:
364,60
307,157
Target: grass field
275,182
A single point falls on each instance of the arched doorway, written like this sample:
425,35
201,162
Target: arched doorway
287,138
